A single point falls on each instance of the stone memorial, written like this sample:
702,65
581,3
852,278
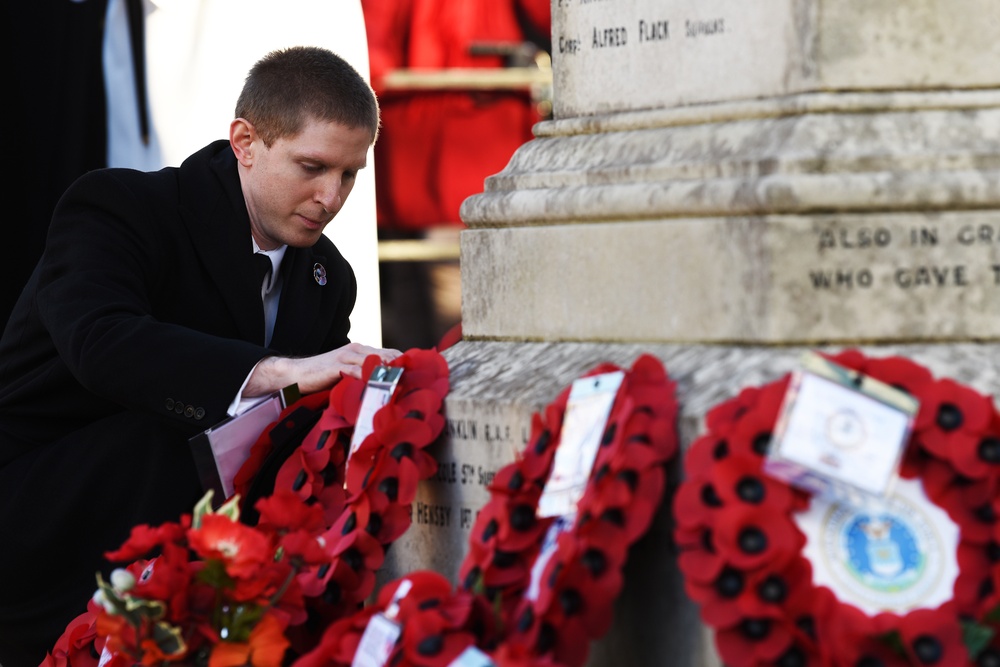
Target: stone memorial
724,185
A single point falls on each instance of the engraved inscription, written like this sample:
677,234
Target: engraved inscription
704,28
568,45
426,514
653,31
900,273
610,37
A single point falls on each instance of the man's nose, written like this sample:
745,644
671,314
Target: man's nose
329,195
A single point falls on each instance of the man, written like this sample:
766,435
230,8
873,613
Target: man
147,321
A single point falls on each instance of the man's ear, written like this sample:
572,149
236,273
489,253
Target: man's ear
242,136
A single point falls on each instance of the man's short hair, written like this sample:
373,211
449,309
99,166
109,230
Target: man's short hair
287,87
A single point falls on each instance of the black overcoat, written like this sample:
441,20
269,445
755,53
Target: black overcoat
135,332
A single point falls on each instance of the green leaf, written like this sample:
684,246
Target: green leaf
231,508
242,622
893,640
976,637
169,639
993,615
214,574
203,507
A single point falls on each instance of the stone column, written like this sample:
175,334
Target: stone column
725,184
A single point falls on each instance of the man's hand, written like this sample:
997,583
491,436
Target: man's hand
312,374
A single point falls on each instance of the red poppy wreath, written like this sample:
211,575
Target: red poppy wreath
743,553
366,505
545,616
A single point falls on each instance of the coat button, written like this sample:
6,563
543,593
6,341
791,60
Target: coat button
199,413
179,408
189,411
169,404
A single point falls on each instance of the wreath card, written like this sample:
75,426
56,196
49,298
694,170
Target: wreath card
840,432
590,401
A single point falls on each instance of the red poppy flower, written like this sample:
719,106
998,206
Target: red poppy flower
899,372
339,641
262,448
703,453
975,593
752,433
345,398
951,415
285,511
700,564
429,640
144,539
79,645
168,578
740,479
627,499
849,637
753,641
358,556
722,417
933,637
750,537
694,503
971,506
265,648
242,549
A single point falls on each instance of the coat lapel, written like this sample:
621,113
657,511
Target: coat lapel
301,297
215,213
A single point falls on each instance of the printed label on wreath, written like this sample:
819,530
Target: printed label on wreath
894,555
560,525
377,642
840,432
472,657
587,411
378,391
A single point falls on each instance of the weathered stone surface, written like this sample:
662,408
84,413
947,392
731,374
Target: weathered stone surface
842,222
826,277
858,152
694,51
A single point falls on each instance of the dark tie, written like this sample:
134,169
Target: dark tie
263,265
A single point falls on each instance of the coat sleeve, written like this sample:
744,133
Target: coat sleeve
112,257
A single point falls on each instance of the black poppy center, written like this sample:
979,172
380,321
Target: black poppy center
750,490
949,416
762,443
522,518
989,450
752,540
709,496
773,589
594,560
927,649
430,645
755,628
729,583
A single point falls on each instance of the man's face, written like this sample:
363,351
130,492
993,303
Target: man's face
295,187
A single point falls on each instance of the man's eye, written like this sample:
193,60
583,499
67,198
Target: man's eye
312,168
350,175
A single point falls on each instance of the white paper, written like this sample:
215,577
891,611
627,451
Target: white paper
377,642
587,411
834,436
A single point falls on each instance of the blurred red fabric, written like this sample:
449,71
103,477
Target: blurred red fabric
437,146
